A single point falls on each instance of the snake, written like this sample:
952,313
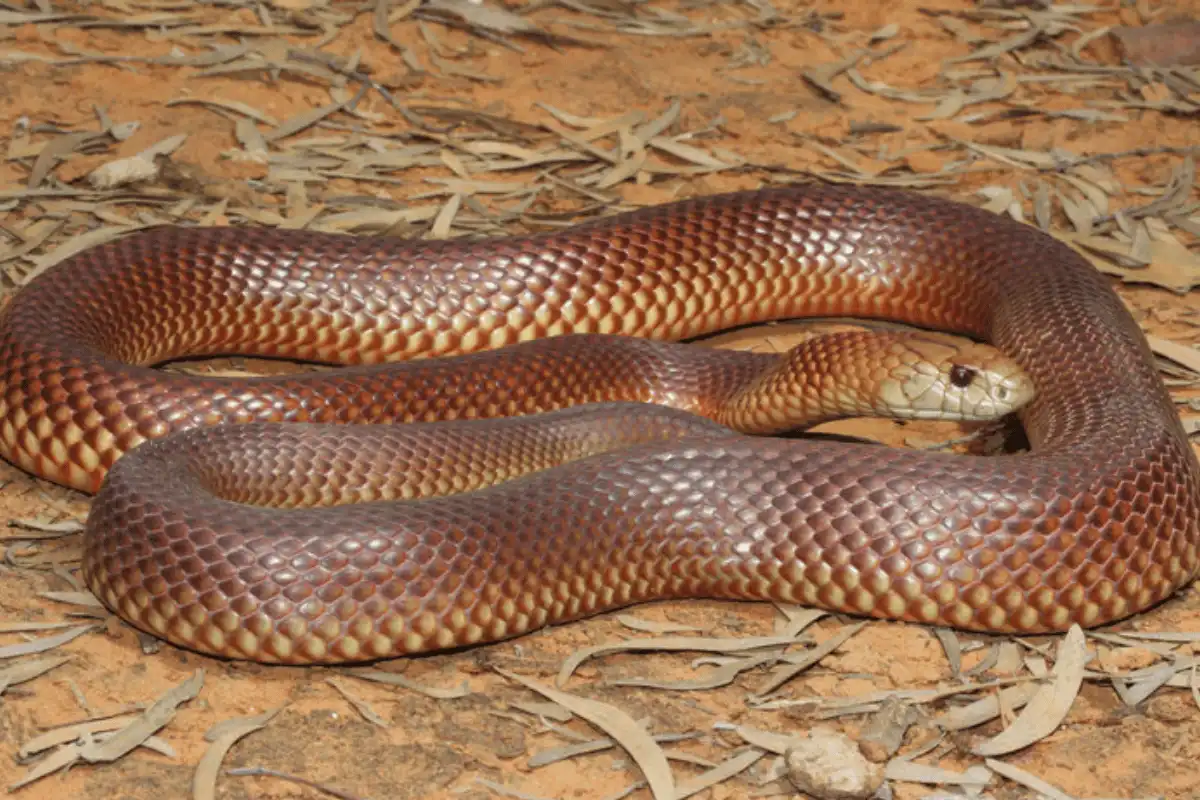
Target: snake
563,456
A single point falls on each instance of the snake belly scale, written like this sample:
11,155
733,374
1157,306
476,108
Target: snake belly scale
1099,521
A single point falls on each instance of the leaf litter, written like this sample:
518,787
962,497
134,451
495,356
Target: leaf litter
468,172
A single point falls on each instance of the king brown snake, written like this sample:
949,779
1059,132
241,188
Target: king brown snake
1098,521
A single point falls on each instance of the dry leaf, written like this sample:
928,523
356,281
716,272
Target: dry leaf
632,737
23,671
223,736
361,706
1172,266
152,720
974,778
139,732
670,643
719,774
987,708
1049,706
720,675
70,733
556,754
393,679
1026,779
1179,353
649,626
807,659
45,643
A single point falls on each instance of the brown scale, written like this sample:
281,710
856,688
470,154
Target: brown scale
1098,522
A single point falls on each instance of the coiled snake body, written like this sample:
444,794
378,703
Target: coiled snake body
1100,520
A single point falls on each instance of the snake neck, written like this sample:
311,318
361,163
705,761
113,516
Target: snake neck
793,391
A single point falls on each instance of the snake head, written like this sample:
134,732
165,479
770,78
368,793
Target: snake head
932,376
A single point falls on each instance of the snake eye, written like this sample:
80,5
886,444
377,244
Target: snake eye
962,376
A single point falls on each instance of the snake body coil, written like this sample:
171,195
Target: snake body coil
1099,521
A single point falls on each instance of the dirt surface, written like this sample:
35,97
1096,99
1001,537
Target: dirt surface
752,83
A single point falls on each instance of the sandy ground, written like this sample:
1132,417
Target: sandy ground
742,85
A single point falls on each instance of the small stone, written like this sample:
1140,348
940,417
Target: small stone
828,765
1172,708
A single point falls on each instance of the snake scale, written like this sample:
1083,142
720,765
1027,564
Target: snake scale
1098,521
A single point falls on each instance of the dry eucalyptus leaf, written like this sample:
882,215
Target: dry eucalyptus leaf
632,737
79,598
1148,681
223,736
301,121
70,733
44,643
250,137
138,732
1081,212
721,675
890,92
1179,353
379,676
952,103
60,759
1172,266
670,643
649,626
32,627
1027,779
997,49
987,708
1096,188
23,671
952,647
974,778
807,659
235,106
55,150
557,754
1049,706
143,727
491,17
66,526
796,619
719,774
1000,200
821,77
360,705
